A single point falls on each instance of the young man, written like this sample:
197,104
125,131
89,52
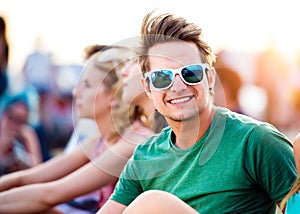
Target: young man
210,160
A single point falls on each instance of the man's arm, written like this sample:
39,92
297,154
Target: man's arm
296,147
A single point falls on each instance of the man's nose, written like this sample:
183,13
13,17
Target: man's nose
178,84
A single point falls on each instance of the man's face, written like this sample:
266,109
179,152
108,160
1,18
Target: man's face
179,102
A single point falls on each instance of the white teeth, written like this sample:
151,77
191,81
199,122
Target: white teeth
181,100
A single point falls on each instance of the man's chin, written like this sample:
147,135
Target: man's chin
182,117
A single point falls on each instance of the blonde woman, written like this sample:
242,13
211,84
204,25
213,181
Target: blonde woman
80,175
19,143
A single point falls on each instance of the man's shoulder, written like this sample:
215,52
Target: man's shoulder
239,119
257,132
246,126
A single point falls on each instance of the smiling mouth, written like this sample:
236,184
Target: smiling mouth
180,100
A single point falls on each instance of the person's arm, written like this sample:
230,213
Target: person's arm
296,147
98,173
53,169
41,197
274,161
32,144
112,207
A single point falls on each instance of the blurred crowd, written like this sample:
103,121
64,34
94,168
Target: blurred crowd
35,106
264,85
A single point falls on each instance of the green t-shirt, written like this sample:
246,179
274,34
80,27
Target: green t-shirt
240,165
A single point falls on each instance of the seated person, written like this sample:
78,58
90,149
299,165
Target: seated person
74,174
19,144
209,159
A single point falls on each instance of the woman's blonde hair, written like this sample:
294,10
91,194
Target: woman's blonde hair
110,60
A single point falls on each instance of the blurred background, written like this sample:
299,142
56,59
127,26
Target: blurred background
257,44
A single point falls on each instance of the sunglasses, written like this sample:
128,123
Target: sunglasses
163,78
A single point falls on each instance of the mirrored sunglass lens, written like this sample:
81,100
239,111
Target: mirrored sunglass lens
161,79
192,74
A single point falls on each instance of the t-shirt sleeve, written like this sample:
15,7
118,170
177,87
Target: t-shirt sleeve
269,161
128,187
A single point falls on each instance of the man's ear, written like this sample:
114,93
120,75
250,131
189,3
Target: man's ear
146,86
211,77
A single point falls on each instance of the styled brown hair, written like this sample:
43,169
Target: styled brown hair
168,28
